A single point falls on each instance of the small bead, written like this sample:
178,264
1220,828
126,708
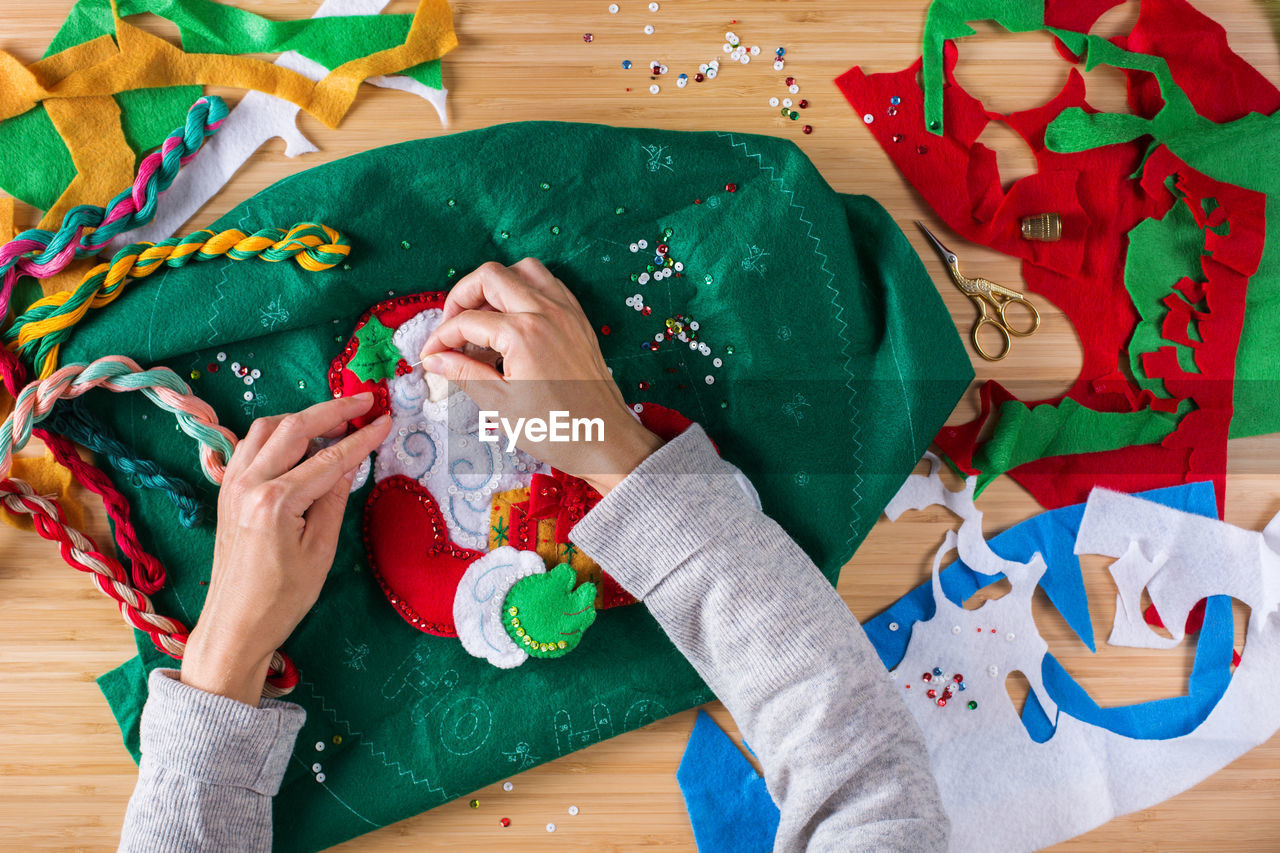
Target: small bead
505,234
451,202
808,128
404,244
973,706
506,821
733,188
544,186
475,804
922,149
897,137
555,229
935,124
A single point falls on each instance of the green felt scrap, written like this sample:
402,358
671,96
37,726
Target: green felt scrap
839,364
35,165
1240,152
949,19
1162,252
376,354
1063,429
125,689
544,615
209,27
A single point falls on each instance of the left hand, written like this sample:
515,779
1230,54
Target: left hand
278,524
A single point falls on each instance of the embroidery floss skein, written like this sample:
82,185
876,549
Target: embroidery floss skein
195,417
40,330
40,254
148,574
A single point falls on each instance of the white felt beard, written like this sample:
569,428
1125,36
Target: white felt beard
259,117
435,442
1004,792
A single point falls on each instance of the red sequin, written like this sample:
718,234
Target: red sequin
791,81
931,693
646,311
942,703
604,330
808,128
643,386
698,78
506,821
804,104
733,188
957,678
928,676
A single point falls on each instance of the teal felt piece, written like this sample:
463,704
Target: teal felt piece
837,364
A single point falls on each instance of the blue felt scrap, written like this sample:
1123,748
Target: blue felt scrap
729,806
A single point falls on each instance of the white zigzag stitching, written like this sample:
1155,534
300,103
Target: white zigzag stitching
839,312
379,754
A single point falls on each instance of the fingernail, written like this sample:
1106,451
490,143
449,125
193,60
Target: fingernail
382,420
432,364
363,396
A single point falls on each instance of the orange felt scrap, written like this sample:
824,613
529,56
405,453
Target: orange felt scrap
138,60
50,479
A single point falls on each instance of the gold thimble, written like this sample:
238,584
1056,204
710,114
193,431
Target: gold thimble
1045,227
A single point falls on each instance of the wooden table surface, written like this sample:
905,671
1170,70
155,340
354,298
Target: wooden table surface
64,776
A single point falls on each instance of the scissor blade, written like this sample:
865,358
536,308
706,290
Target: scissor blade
947,255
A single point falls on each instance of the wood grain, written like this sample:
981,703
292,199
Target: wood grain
65,779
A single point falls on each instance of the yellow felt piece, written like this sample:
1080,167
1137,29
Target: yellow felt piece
142,61
50,479
7,214
90,128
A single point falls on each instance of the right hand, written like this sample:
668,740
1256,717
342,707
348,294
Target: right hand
551,362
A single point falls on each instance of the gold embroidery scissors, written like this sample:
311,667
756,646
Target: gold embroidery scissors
989,297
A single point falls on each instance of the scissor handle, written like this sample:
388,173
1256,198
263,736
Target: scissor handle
1001,329
1004,321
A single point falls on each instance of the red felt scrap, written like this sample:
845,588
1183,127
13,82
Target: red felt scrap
1083,273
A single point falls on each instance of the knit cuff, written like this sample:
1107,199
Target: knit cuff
639,540
217,740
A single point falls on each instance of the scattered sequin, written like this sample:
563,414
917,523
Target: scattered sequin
506,821
475,804
868,118
551,827
404,244
573,810
555,229
588,38
626,63
507,786
808,128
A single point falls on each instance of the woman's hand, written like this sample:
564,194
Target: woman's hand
278,524
551,362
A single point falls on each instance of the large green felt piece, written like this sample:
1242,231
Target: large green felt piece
840,364
1240,152
35,165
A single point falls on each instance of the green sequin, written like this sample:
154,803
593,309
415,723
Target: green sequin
555,229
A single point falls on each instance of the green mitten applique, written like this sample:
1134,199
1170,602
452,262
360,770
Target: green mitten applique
544,615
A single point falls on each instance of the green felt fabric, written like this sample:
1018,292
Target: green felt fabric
1239,152
1063,429
843,365
35,165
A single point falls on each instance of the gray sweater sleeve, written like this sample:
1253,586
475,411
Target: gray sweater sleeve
842,756
210,766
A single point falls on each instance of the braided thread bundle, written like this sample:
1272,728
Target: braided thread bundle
80,552
195,417
148,574
71,421
41,254
41,330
